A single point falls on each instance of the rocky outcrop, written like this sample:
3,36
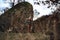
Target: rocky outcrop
17,19
49,25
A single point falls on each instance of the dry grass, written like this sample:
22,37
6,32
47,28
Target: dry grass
23,36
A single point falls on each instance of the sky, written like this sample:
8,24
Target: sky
41,9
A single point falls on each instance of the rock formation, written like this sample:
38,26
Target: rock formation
17,19
49,25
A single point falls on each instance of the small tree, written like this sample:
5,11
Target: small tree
12,2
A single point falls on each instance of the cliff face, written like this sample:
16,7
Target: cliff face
49,25
17,18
